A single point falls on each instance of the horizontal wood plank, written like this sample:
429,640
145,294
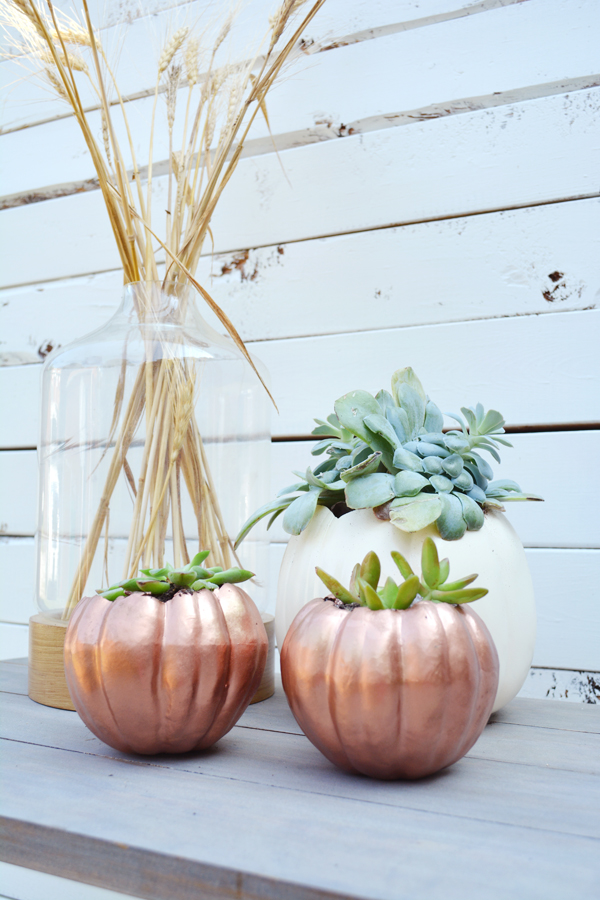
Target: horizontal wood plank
265,762
516,820
567,518
27,884
568,634
447,167
133,53
536,260
500,362
481,56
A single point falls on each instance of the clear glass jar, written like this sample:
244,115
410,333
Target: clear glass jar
155,442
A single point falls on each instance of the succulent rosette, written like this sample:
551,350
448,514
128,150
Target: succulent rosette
388,452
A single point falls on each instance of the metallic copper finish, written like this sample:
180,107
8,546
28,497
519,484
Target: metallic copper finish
151,677
390,693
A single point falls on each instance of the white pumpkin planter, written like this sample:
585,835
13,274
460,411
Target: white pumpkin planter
494,552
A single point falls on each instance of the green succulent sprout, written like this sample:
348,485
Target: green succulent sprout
389,453
166,582
433,584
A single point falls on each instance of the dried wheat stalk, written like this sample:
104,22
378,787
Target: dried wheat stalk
222,102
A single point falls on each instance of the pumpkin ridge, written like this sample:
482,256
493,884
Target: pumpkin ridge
331,704
474,628
214,599
467,742
444,655
156,680
98,665
197,662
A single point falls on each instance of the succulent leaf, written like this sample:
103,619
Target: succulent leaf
424,448
299,513
403,564
385,400
451,524
414,406
444,570
338,590
404,459
399,422
231,576
370,569
467,596
112,595
407,592
409,484
148,586
378,424
441,484
432,465
370,595
457,443
457,585
477,494
389,593
453,465
407,376
368,491
353,408
199,558
471,512
366,467
414,513
434,420
430,563
464,481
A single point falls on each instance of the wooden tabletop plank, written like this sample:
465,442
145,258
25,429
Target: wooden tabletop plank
529,745
484,789
282,837
566,715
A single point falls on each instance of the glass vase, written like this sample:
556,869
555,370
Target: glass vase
155,443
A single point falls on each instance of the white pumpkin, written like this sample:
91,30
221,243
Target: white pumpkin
494,552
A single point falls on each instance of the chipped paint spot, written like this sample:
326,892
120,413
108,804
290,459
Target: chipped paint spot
561,291
45,348
559,684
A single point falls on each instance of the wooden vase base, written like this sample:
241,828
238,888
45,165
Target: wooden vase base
47,683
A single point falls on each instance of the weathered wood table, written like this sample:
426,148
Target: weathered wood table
264,815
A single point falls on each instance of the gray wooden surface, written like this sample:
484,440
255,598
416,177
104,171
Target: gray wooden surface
264,815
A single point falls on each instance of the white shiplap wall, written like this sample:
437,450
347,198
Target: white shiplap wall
441,209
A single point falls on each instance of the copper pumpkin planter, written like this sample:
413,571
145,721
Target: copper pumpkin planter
390,693
151,677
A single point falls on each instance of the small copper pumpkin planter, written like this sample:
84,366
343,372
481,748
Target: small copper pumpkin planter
390,693
151,677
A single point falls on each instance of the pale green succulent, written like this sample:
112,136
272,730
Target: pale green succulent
164,583
433,585
389,453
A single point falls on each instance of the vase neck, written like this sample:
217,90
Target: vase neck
152,303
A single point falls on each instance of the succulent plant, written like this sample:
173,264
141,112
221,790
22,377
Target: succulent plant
166,582
433,584
389,453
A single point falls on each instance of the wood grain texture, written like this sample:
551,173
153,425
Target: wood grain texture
504,50
476,162
234,816
392,277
